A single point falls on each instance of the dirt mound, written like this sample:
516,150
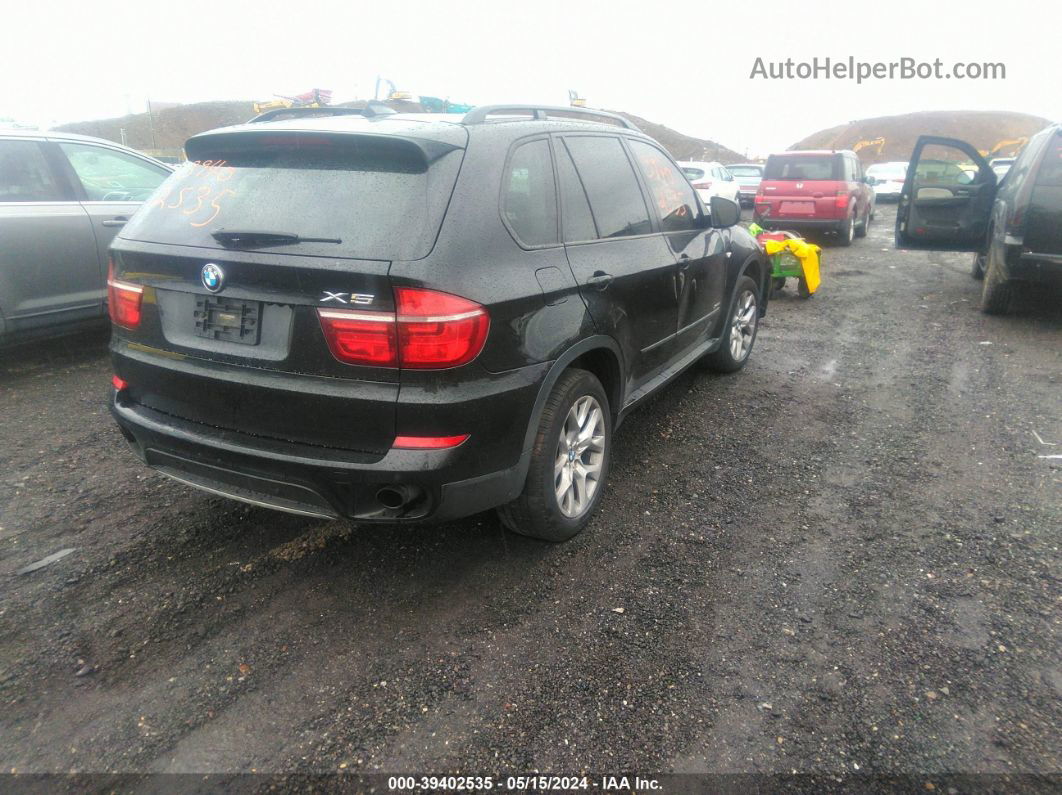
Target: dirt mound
995,133
167,128
685,147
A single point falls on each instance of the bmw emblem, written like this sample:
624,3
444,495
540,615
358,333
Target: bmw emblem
213,277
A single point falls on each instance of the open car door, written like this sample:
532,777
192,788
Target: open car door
947,197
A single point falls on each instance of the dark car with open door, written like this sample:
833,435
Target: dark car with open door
952,200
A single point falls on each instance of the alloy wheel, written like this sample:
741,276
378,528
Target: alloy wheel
580,457
743,326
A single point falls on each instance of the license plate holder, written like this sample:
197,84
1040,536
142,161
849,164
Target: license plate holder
798,208
228,319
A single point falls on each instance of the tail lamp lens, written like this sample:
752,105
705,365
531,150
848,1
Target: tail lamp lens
702,185
361,337
437,330
429,330
123,300
842,199
119,383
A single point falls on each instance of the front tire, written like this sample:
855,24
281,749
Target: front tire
997,292
569,462
739,334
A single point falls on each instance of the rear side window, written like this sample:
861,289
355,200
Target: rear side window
809,167
367,197
109,175
671,192
693,174
1051,168
25,175
531,194
611,185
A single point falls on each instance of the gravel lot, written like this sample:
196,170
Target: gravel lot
845,558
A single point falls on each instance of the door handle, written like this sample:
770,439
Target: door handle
684,261
600,280
119,221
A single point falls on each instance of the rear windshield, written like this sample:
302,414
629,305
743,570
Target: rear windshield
745,171
693,173
380,197
809,167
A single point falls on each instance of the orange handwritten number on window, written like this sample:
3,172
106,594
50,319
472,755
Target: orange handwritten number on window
216,206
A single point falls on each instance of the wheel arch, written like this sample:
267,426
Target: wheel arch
600,355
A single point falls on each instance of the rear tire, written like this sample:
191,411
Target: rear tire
861,230
546,509
997,292
846,233
739,333
778,283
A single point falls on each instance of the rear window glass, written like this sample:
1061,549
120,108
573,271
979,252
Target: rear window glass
380,197
1051,169
809,167
531,195
693,173
887,172
745,171
25,175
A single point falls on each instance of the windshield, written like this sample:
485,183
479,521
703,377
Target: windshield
809,167
379,196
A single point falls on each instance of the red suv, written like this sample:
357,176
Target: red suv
824,190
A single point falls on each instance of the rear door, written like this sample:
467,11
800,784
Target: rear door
625,268
804,186
699,250
947,198
49,273
112,184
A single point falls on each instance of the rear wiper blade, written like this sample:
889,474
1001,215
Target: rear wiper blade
232,237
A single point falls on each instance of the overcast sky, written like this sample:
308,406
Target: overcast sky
683,64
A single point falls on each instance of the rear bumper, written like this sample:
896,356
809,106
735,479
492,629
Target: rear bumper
398,486
823,224
1035,266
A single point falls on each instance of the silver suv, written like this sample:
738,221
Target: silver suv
62,199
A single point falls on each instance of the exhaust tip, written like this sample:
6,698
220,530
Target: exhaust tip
392,499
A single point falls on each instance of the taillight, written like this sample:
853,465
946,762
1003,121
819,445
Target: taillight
841,201
361,337
429,330
123,300
702,185
437,330
119,383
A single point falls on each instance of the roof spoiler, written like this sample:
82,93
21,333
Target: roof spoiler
479,114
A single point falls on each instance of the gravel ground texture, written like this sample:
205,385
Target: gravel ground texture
844,558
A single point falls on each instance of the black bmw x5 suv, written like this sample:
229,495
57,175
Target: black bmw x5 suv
394,317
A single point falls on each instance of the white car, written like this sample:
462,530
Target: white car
887,178
711,179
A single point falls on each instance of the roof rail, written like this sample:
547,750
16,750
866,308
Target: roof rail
371,110
478,115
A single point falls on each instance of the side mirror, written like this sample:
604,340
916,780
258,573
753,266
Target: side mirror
725,213
870,180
